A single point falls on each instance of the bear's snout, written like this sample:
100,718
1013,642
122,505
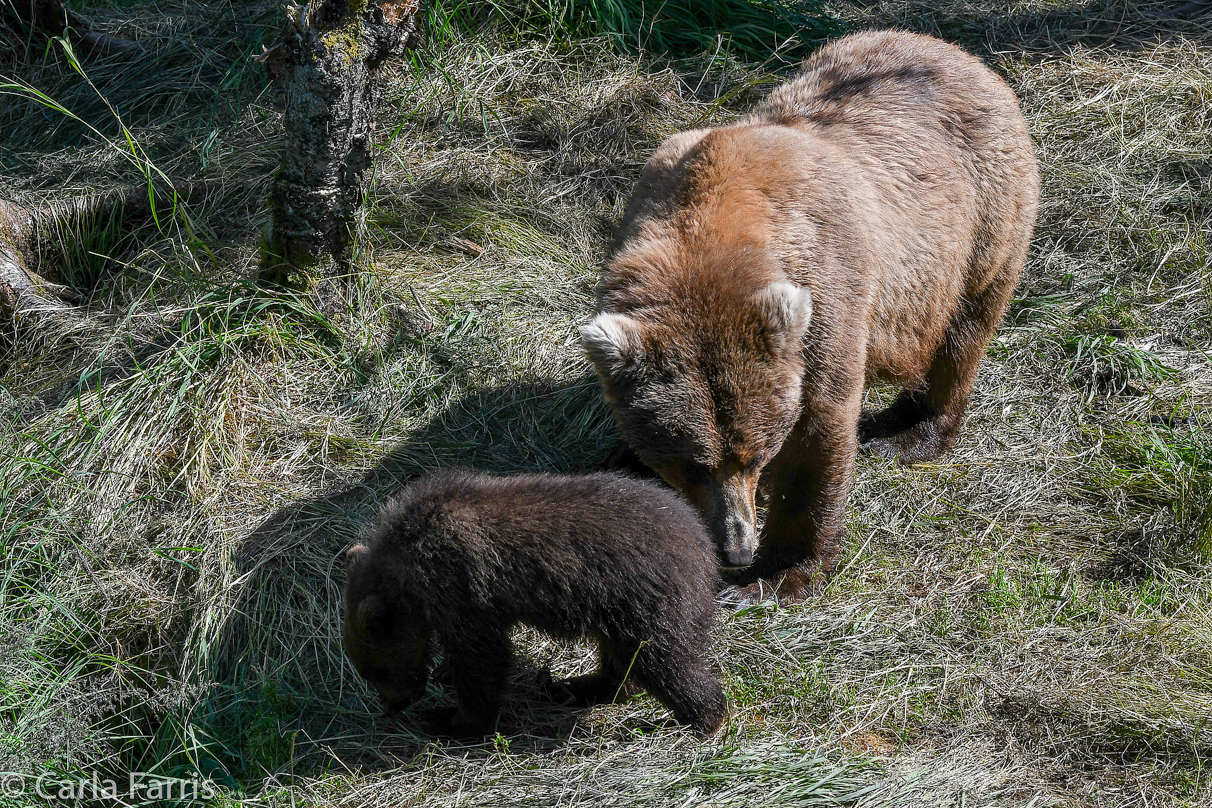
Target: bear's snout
733,520
739,540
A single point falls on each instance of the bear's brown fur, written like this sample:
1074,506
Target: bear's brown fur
868,220
466,556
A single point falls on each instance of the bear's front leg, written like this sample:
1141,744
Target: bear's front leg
807,485
607,684
479,665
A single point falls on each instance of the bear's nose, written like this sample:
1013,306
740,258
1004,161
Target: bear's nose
738,558
738,541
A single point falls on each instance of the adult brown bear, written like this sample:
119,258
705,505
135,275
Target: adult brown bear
868,220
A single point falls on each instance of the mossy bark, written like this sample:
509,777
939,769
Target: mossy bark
327,65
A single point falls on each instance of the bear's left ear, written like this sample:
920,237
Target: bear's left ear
611,341
354,553
787,310
370,610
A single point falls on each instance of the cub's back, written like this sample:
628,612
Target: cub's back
548,539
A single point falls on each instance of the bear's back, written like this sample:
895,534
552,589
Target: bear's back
555,551
884,81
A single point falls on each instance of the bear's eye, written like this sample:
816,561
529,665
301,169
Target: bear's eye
755,462
660,442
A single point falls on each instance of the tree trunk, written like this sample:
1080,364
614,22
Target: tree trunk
25,296
327,65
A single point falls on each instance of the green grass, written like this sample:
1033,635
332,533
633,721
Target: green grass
1025,622
758,30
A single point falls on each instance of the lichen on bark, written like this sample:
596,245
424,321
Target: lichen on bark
327,65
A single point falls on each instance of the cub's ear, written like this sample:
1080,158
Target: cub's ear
354,553
611,341
787,310
370,611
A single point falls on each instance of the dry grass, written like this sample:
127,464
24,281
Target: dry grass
1027,622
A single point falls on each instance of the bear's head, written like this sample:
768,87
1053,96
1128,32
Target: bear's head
385,631
706,389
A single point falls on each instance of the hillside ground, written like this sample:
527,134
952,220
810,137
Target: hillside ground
1026,622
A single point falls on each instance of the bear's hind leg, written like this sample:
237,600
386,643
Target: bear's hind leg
680,679
921,425
911,430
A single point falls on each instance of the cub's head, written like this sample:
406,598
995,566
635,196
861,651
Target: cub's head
385,632
706,391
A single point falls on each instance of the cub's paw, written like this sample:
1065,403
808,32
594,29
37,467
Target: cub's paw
439,720
554,690
581,691
451,722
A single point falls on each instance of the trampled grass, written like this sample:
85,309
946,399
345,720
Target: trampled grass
1026,622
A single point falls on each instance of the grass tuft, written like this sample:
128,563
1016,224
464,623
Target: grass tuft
757,30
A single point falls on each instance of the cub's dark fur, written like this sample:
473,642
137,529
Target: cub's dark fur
466,555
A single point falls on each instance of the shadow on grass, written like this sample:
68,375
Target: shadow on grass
1112,24
279,695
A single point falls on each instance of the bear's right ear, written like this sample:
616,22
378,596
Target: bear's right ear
611,341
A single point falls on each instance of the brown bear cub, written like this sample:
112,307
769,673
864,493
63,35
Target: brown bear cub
868,220
464,556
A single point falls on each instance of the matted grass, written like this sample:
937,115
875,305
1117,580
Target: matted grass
1026,622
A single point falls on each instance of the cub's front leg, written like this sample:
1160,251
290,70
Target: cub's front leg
607,683
479,665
